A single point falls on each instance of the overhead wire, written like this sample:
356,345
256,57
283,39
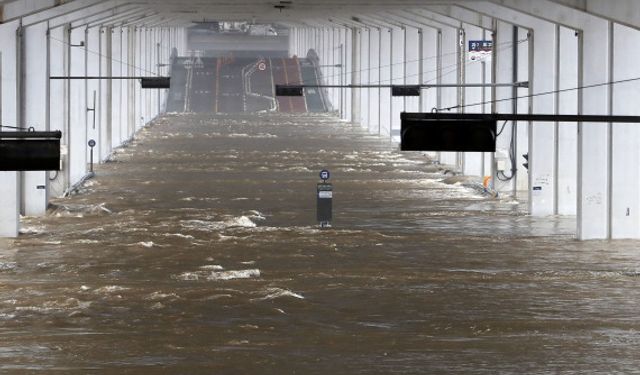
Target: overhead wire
507,44
453,69
111,59
544,93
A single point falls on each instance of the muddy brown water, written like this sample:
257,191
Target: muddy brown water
196,251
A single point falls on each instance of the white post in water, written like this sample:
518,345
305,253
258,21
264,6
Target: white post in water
325,200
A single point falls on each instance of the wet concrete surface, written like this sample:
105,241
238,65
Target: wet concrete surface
196,251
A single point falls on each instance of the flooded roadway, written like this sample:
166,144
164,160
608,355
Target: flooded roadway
195,251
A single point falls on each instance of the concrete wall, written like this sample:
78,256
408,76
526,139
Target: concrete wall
10,115
588,170
60,42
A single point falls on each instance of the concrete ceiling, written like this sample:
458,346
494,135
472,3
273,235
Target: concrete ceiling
292,11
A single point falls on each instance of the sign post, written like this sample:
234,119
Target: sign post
92,144
325,200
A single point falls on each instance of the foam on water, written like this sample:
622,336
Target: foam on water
80,210
257,136
256,215
32,230
147,244
218,275
8,266
110,289
52,242
232,275
212,267
87,242
209,226
179,235
188,276
4,316
241,221
228,238
155,296
56,306
274,293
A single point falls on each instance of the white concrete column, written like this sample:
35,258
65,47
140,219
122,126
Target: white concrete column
166,52
334,73
154,68
429,65
594,140
146,37
77,107
525,105
542,135
625,138
505,46
124,86
153,96
543,50
58,103
339,59
412,65
106,87
567,160
133,85
139,71
397,78
34,105
355,72
347,72
429,71
487,170
365,76
472,163
375,61
93,68
449,75
116,87
385,79
9,181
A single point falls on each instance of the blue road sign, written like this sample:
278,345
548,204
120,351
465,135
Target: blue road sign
325,175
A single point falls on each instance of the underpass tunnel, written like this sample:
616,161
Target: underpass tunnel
76,66
319,187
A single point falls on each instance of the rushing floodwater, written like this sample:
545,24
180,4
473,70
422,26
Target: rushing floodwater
196,252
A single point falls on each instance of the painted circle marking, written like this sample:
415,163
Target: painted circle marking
262,66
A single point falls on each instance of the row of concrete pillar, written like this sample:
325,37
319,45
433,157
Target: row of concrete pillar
589,170
38,46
